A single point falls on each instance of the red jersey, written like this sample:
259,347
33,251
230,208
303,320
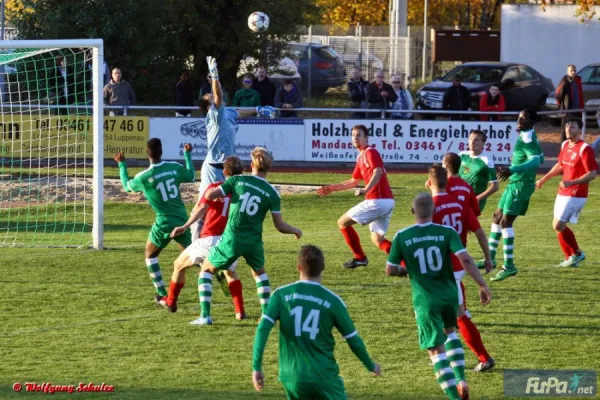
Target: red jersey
464,193
448,211
576,160
367,161
216,216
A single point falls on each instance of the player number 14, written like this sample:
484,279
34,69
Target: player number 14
434,259
310,325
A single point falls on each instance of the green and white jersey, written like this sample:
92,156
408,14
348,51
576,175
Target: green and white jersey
308,312
477,171
426,251
251,198
160,185
526,148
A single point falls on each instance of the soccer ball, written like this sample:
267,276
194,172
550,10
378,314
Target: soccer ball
258,21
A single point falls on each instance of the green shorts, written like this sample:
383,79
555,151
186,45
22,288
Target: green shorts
331,390
515,199
482,205
228,250
159,235
432,321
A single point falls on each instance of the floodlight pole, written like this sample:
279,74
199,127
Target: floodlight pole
3,20
424,66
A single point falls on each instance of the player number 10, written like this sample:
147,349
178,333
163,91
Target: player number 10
434,259
310,325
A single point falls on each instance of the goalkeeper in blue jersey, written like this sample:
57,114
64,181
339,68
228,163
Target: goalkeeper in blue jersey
160,185
221,129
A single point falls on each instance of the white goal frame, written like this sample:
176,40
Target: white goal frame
97,46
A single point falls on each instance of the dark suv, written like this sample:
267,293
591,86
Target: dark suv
522,86
327,69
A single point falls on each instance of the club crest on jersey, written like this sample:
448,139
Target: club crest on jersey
465,170
573,156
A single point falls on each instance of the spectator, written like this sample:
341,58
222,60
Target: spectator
184,95
356,92
264,86
118,93
380,94
246,97
63,85
492,100
288,96
404,101
456,98
207,88
569,96
87,94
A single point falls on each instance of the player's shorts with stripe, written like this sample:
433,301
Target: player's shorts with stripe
332,389
432,320
515,199
229,249
208,175
458,275
200,248
568,209
159,235
377,213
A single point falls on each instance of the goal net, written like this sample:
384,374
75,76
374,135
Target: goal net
51,144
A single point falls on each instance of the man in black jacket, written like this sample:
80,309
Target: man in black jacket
356,92
264,86
456,98
380,94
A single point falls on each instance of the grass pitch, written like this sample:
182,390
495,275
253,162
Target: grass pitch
71,316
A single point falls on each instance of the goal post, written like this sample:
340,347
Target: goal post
51,143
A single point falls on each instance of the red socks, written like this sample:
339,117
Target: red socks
386,246
174,290
472,338
567,242
353,241
235,288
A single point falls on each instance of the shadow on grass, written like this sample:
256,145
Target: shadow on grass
541,314
6,391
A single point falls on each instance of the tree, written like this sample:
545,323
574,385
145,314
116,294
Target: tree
344,13
467,14
152,41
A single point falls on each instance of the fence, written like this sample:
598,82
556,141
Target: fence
372,49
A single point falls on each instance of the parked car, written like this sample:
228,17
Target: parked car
286,69
590,80
522,86
327,68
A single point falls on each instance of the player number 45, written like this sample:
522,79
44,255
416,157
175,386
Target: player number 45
453,221
310,325
434,259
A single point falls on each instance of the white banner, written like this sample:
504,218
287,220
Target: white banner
406,141
283,137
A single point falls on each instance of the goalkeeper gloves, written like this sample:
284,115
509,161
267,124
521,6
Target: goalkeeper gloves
212,67
266,111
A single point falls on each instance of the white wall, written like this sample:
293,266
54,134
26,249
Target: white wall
548,41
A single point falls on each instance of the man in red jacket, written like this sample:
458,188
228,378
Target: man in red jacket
569,96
